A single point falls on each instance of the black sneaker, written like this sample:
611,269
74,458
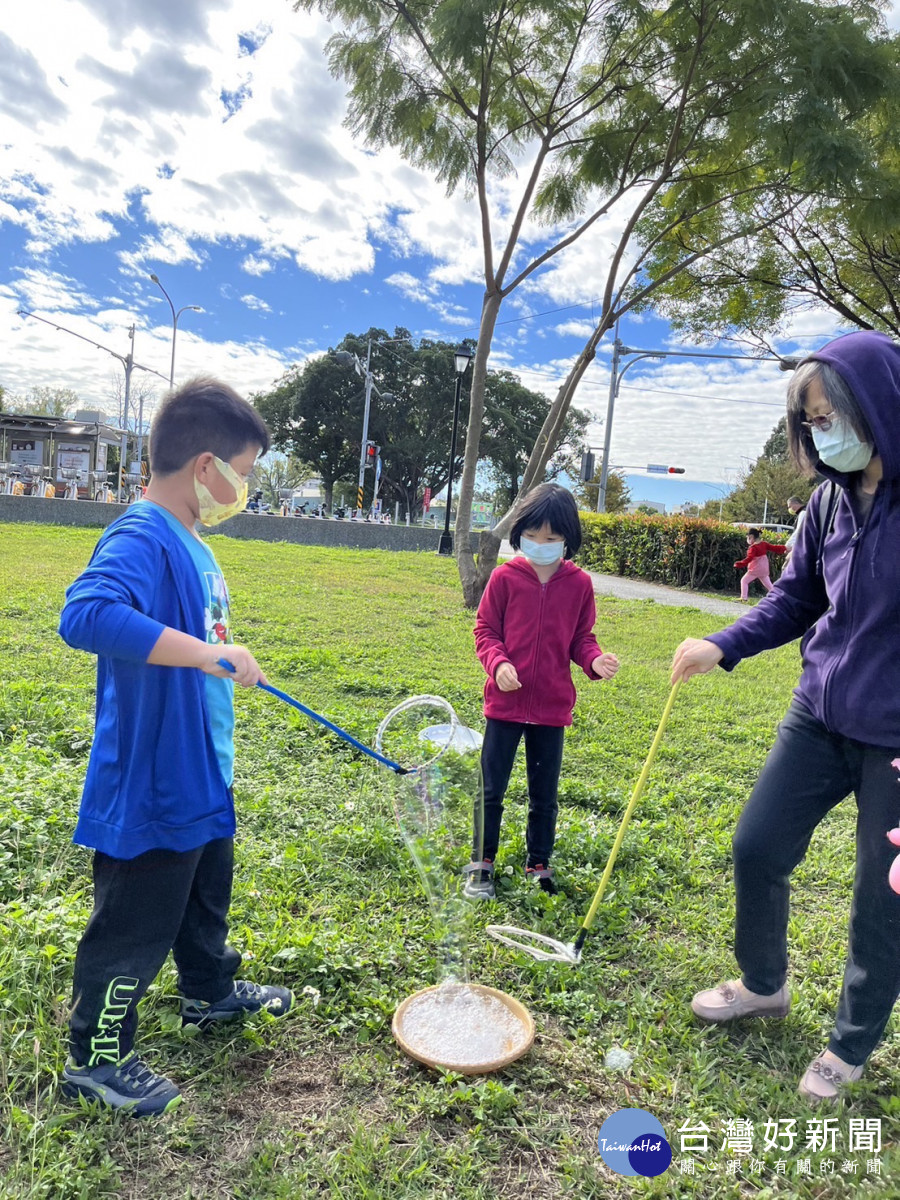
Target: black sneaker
543,877
479,883
129,1085
245,998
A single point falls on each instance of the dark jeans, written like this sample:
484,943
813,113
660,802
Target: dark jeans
809,771
543,761
143,908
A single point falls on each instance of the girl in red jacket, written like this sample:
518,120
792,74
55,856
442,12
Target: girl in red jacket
536,617
757,562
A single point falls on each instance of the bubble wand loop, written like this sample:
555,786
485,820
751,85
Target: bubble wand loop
522,939
308,712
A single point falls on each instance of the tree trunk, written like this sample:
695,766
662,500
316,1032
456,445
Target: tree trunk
474,575
471,573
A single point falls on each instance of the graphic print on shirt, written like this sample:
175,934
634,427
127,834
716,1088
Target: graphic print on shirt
216,609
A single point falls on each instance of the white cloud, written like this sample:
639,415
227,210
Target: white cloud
256,266
141,123
410,287
255,303
579,329
58,359
428,293
702,414
169,247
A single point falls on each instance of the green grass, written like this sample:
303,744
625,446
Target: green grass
326,898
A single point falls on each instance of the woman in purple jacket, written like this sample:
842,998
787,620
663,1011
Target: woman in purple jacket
841,592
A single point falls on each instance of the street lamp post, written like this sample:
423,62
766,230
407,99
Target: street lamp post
461,359
615,378
723,493
348,359
175,316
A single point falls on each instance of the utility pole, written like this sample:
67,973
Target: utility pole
129,365
365,431
348,359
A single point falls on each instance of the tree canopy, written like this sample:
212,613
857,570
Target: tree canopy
618,493
841,252
43,401
315,412
698,124
765,488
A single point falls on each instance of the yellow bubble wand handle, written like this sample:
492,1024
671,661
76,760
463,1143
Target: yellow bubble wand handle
620,836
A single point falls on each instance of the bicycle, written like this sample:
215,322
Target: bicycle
71,477
39,483
135,484
101,489
10,480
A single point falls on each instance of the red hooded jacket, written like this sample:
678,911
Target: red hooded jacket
760,550
540,628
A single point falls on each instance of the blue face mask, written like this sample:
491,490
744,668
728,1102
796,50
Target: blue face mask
542,554
840,448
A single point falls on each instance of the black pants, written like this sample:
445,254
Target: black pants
807,773
143,908
543,761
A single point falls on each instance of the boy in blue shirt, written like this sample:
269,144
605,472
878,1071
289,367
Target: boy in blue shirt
157,807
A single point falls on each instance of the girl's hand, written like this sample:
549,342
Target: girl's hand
605,666
506,678
695,656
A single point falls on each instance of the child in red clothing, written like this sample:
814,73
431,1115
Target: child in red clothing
757,562
536,617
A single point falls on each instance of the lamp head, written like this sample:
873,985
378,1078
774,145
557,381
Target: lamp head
344,357
155,278
461,359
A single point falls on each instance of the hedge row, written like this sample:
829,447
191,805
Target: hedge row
679,551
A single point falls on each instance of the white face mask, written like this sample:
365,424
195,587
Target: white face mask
542,554
840,448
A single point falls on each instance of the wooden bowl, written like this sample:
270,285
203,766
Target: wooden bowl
463,1065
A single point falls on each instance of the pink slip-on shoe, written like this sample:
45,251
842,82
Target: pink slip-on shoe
732,1000
826,1076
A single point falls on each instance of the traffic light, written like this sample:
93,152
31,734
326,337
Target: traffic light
676,470
372,452
587,471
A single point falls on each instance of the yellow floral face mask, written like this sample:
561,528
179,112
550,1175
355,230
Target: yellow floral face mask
212,512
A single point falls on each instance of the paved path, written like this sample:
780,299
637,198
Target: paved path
637,589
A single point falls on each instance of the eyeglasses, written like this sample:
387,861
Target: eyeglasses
823,424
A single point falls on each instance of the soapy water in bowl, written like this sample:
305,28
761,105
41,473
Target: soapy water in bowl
456,1025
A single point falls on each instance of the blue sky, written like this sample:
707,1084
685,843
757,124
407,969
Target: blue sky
203,140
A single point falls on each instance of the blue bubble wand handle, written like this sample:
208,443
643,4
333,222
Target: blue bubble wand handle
314,716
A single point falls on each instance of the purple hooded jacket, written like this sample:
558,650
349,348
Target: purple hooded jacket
848,613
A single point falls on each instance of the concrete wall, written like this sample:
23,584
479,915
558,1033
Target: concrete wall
300,530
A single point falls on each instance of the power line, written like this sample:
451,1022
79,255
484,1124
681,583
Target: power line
533,316
633,387
663,391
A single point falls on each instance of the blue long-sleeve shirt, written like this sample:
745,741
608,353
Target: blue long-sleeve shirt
153,779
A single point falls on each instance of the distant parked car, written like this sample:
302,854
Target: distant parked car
769,528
